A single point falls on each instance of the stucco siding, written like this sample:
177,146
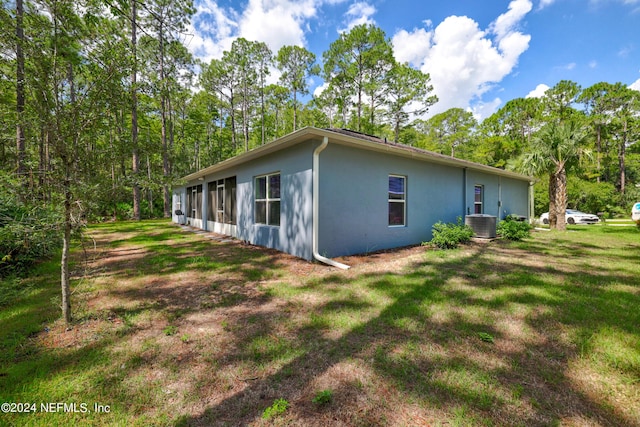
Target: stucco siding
354,212
354,206
502,195
294,233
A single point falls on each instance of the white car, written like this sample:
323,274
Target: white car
573,217
635,213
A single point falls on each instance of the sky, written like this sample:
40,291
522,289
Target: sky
479,53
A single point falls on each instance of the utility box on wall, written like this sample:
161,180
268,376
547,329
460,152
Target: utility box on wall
483,226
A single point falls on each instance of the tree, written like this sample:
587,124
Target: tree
596,100
450,129
558,147
220,77
558,101
357,62
297,65
408,93
20,88
507,133
135,160
166,19
625,103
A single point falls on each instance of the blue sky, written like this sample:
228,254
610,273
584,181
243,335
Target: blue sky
479,53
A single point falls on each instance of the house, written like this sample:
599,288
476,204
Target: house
323,193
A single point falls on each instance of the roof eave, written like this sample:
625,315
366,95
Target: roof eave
304,134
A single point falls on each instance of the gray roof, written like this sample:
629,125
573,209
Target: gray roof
354,139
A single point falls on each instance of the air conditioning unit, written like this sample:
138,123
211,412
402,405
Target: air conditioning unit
484,226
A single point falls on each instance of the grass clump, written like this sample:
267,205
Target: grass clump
511,229
278,408
170,330
323,397
450,235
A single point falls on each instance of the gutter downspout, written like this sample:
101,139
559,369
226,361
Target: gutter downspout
531,203
316,207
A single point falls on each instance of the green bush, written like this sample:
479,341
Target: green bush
449,236
28,232
513,230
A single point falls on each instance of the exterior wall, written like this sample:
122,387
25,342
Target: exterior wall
354,200
294,235
502,196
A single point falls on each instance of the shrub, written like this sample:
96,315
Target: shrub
513,230
449,236
28,232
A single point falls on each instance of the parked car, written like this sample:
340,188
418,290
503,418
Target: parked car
573,217
635,213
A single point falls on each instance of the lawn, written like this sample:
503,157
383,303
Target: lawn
175,328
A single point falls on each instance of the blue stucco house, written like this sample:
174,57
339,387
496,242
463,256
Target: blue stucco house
324,193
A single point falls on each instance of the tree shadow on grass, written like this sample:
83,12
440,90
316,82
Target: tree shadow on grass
441,361
454,338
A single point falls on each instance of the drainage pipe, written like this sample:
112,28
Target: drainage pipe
316,207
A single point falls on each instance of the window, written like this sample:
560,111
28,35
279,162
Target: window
397,200
477,202
222,200
212,202
267,193
194,202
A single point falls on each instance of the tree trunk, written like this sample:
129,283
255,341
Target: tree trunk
295,111
134,114
561,198
621,157
553,218
598,150
20,97
163,116
64,260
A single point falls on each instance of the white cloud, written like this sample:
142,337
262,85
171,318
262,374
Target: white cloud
545,3
412,47
463,60
359,13
213,30
635,85
538,92
505,24
482,110
275,22
593,64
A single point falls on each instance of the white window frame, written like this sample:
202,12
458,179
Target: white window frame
403,200
267,200
194,197
220,203
481,202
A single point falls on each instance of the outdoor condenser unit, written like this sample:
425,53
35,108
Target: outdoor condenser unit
483,226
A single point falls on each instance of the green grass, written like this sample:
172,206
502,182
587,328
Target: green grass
175,329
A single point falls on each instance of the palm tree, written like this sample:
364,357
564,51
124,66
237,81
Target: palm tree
557,147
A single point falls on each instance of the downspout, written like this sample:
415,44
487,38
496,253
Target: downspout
531,202
316,207
499,199
465,209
